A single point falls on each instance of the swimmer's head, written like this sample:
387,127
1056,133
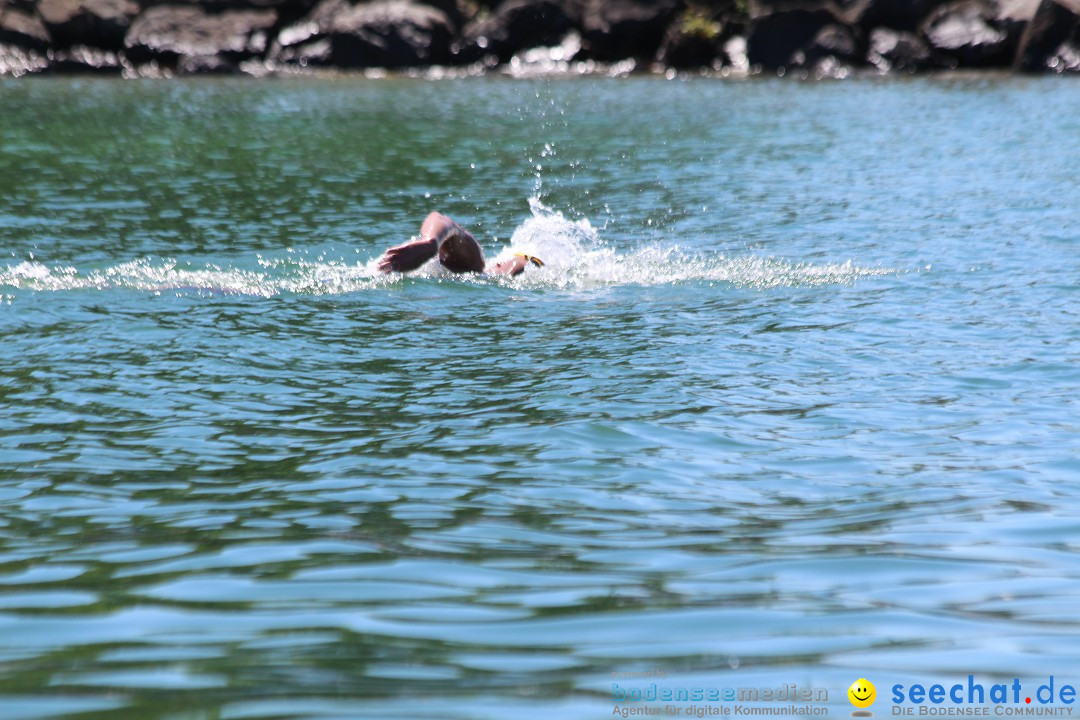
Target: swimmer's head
459,252
531,259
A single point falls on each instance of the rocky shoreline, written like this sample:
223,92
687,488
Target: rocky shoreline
805,38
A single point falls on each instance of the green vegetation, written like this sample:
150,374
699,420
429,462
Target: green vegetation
697,21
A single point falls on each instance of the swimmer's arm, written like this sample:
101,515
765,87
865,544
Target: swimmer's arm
408,256
436,230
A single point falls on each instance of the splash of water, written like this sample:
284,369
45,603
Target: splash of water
574,255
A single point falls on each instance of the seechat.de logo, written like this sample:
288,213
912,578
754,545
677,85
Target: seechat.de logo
862,694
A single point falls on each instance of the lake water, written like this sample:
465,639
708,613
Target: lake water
796,398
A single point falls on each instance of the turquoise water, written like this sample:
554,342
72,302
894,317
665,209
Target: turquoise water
795,399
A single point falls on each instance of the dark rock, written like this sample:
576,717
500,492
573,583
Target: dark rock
1019,12
1014,16
390,34
206,65
896,50
1067,56
315,53
518,25
694,40
173,35
18,61
99,23
1046,42
318,20
282,7
27,6
835,41
288,11
775,38
22,28
618,29
833,52
905,15
967,33
83,59
456,11
305,42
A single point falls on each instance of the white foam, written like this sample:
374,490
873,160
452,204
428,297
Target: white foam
574,256
283,275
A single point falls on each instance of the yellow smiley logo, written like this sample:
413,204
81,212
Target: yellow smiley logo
862,693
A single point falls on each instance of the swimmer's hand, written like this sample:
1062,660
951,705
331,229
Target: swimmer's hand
408,256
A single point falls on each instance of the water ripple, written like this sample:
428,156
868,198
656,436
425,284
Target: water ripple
793,400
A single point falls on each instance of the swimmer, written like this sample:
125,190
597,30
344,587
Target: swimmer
458,251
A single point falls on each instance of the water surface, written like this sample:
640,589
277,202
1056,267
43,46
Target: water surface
794,400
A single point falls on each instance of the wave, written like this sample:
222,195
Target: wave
574,255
